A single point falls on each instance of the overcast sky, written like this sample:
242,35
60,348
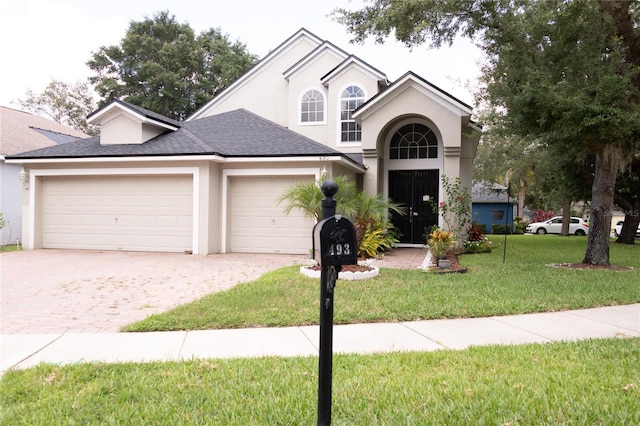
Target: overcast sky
53,39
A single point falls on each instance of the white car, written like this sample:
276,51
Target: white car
554,226
618,229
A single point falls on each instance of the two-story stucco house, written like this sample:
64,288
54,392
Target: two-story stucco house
211,184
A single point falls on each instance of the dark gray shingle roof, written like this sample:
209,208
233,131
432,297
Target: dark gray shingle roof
238,133
138,109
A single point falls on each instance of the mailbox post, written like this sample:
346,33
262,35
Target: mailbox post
334,245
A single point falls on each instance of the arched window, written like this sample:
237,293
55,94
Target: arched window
413,141
352,97
312,107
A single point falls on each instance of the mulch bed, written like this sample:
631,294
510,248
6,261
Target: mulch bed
455,267
346,268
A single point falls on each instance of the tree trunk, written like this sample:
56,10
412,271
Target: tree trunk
630,227
604,182
630,203
521,196
566,216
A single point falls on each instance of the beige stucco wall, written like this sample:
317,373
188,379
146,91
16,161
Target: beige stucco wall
121,130
266,93
306,79
411,104
351,76
211,196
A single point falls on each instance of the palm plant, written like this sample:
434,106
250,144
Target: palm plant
307,197
370,214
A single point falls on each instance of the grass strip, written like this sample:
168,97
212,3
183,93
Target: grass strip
586,382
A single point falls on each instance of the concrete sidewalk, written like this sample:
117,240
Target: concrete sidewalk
26,350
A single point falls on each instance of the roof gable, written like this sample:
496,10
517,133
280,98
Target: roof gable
411,79
325,47
300,36
350,62
124,123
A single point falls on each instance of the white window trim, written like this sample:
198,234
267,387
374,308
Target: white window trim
396,128
339,114
324,108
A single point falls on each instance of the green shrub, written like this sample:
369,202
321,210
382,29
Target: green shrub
519,225
377,239
500,228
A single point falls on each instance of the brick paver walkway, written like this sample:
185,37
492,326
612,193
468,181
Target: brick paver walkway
403,258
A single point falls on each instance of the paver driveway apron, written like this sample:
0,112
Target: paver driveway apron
53,291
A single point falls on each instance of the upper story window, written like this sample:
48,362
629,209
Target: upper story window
312,107
413,141
352,97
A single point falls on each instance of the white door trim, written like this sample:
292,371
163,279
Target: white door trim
228,173
34,185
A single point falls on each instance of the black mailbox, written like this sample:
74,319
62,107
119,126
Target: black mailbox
334,242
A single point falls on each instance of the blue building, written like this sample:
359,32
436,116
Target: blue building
491,205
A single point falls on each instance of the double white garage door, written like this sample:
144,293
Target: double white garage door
155,213
132,213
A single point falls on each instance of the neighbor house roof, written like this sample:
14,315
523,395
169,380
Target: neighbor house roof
237,133
486,192
22,131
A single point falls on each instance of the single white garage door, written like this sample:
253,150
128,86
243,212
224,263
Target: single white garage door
132,213
259,224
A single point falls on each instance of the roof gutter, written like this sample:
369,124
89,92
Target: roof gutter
80,160
213,158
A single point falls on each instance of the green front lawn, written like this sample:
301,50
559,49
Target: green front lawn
593,382
523,284
586,382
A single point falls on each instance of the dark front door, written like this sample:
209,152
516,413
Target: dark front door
413,189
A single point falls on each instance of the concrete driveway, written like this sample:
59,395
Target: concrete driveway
54,291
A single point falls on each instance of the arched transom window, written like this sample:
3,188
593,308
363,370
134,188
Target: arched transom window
413,141
312,107
352,97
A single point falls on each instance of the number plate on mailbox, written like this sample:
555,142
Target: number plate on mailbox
334,242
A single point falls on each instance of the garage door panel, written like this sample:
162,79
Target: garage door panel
259,224
118,213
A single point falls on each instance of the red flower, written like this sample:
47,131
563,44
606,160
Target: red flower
441,203
458,198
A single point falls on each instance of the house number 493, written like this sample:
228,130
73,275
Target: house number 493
339,249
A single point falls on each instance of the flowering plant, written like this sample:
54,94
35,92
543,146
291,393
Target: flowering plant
455,210
477,241
440,242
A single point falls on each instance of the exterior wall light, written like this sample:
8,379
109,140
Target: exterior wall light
24,178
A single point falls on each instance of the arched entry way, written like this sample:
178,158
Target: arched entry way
413,161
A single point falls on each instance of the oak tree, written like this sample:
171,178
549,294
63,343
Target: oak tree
163,66
64,103
565,73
